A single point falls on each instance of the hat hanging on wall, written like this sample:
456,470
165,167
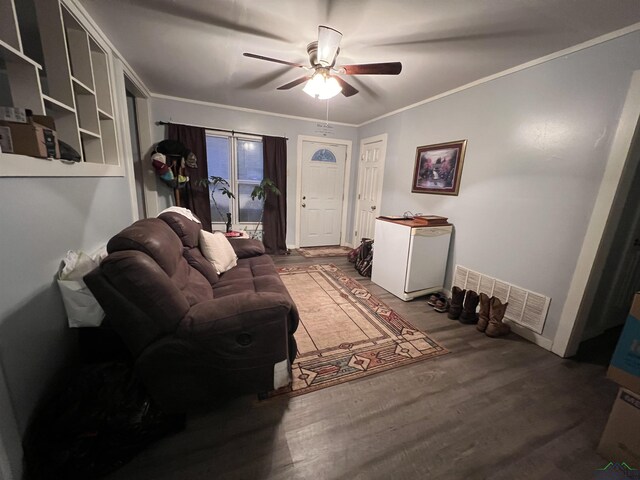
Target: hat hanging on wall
173,148
159,162
169,154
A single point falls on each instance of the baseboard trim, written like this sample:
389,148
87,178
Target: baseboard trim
527,334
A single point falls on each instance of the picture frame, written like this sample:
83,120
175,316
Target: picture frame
438,168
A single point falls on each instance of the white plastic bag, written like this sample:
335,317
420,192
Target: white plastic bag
82,308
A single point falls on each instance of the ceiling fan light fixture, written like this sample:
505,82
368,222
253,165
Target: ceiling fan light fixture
328,43
322,86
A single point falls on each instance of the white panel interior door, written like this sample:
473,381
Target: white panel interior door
322,193
370,173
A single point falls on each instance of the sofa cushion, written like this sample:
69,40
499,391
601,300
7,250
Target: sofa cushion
216,248
247,247
153,237
195,258
189,233
249,268
143,283
259,275
156,239
186,229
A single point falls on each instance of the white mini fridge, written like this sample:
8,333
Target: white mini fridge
409,257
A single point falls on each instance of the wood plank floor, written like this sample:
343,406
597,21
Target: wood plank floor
491,409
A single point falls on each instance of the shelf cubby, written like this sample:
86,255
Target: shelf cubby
22,80
55,79
91,147
101,77
66,122
55,104
51,65
109,142
104,115
78,45
9,32
87,110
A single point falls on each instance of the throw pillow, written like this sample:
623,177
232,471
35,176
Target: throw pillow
216,248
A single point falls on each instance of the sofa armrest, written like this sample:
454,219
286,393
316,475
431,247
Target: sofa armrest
229,343
243,313
247,247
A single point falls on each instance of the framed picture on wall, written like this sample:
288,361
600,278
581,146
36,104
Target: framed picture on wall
438,168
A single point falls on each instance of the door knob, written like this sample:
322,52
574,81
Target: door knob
373,207
304,205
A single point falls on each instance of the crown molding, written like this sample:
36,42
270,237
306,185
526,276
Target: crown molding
244,109
547,58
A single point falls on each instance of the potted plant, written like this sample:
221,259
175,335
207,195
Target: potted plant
261,192
219,184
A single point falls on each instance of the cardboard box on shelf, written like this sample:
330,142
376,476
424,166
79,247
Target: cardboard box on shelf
620,440
33,139
11,114
625,363
44,120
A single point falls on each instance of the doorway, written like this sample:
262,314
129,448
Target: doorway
369,194
136,157
138,147
620,277
610,224
323,179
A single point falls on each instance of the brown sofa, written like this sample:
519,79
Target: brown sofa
195,335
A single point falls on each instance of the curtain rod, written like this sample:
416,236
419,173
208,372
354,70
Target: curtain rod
232,132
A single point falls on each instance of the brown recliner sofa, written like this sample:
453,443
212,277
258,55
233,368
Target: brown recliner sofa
195,335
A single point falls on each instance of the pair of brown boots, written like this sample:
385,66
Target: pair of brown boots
489,319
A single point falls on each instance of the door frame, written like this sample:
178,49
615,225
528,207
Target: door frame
346,188
588,270
142,94
383,137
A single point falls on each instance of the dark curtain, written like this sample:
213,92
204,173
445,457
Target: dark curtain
274,221
195,197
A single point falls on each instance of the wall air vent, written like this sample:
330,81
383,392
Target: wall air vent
526,308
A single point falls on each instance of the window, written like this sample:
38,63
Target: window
239,161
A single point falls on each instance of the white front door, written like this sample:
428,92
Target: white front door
369,194
322,193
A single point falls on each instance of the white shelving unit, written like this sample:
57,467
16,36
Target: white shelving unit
50,64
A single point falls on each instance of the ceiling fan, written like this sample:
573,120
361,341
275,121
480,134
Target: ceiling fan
323,81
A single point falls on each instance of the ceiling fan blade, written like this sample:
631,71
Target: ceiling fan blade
269,59
389,68
347,90
328,44
295,83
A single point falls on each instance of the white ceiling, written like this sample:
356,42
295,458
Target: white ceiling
193,48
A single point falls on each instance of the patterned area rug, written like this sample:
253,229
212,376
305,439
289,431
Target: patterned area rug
335,251
345,332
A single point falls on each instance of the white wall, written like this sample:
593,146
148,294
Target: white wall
211,116
538,141
42,218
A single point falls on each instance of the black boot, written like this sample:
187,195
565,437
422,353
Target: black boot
457,297
469,314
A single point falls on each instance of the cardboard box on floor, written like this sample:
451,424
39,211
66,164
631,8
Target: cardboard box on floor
33,139
625,363
620,441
